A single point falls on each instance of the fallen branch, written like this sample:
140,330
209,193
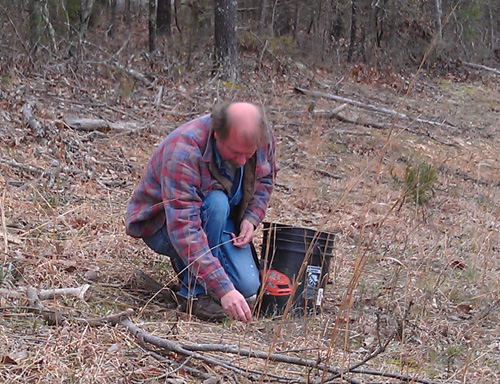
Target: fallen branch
368,124
34,296
369,106
135,74
53,317
4,233
29,168
383,126
10,293
47,313
479,66
79,292
87,124
100,125
193,350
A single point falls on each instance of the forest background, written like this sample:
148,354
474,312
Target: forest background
386,119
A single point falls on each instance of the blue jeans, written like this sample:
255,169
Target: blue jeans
238,263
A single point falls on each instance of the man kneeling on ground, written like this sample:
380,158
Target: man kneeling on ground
201,196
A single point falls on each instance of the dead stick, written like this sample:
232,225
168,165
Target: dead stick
10,293
14,163
479,66
193,349
4,225
368,106
79,292
52,317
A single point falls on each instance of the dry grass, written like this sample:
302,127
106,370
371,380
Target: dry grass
425,277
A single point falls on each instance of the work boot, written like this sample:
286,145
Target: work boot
204,307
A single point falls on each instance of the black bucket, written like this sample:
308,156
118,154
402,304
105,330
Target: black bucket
294,256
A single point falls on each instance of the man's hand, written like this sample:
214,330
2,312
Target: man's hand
236,306
245,235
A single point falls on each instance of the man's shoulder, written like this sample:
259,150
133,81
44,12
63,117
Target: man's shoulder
197,129
193,133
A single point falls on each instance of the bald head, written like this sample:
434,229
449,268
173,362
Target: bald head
242,119
238,130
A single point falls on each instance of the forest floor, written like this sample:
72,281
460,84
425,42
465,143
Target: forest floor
413,289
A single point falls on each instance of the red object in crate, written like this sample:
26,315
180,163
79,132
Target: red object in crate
275,283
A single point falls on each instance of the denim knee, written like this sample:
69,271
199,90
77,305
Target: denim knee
249,285
215,209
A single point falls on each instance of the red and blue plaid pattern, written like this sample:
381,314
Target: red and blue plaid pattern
171,189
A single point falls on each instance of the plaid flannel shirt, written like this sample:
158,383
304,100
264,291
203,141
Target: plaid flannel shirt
171,190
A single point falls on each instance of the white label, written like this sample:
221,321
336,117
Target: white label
319,298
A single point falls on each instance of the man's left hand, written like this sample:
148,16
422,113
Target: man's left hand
245,235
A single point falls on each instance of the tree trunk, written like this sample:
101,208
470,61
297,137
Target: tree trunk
152,25
353,31
112,27
164,17
439,15
262,16
85,12
127,12
176,18
35,24
226,55
296,20
337,22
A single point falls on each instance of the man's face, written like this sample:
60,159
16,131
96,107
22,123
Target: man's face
235,148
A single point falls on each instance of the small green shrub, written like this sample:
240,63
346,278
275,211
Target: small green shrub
419,183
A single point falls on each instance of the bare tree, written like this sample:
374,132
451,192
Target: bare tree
226,53
353,31
152,25
262,15
439,15
85,12
127,12
112,26
164,17
35,30
296,20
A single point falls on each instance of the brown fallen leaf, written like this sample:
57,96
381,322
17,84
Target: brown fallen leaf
7,360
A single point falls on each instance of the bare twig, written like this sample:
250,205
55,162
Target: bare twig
4,225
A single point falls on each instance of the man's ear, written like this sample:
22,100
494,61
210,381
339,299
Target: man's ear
216,135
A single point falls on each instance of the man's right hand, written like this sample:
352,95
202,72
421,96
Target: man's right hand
236,306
